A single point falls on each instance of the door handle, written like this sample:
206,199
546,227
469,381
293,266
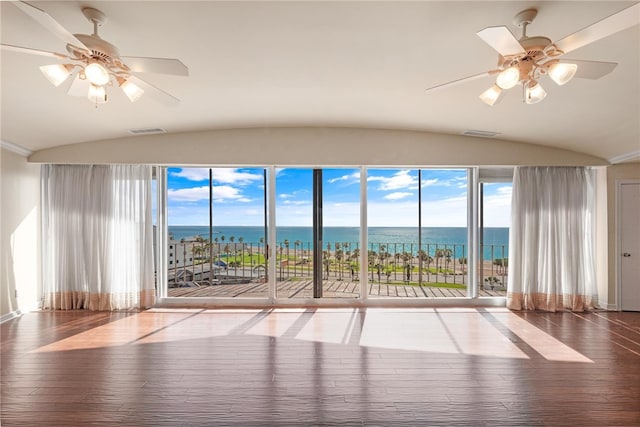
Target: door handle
626,254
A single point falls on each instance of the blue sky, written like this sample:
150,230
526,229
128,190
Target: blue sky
392,197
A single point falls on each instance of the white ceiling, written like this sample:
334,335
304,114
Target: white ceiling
342,64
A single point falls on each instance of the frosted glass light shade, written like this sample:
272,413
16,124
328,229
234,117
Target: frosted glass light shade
97,94
508,78
491,95
56,73
534,94
96,74
562,72
133,91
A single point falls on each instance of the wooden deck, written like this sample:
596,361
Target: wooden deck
332,289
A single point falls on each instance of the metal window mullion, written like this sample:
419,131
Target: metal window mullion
162,231
271,242
473,214
364,258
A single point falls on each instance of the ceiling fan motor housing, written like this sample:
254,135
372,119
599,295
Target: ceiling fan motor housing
101,51
530,62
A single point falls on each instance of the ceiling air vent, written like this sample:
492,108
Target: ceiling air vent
480,133
146,131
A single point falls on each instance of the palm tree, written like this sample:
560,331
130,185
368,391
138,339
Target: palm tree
296,244
286,245
371,257
326,262
280,261
241,241
439,255
381,254
184,259
424,256
197,252
406,258
209,249
261,242
231,240
227,249
448,253
339,255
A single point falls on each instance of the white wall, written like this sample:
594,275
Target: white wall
313,147
19,234
347,147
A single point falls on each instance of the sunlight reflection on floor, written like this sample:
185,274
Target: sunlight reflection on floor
487,332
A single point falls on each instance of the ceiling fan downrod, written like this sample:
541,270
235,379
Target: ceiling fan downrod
524,18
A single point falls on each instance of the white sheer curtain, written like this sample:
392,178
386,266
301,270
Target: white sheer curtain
551,248
97,237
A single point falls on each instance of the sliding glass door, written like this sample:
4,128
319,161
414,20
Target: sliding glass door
417,234
495,219
317,233
216,232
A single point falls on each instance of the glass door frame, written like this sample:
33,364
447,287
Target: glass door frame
272,300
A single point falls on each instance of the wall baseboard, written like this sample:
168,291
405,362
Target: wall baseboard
611,307
10,316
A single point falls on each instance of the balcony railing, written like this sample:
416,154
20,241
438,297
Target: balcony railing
388,263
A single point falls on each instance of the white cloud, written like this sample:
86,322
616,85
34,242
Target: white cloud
195,194
355,177
400,180
296,202
431,182
192,174
235,176
292,195
397,195
220,175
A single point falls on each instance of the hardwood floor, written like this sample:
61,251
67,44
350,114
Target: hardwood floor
179,367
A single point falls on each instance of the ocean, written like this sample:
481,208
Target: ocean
395,239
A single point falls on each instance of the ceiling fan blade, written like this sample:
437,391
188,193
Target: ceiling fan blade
154,92
604,28
502,40
30,51
79,87
591,69
462,80
44,19
155,65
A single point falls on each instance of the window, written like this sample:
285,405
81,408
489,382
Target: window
417,241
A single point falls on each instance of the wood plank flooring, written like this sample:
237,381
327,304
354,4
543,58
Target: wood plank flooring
405,367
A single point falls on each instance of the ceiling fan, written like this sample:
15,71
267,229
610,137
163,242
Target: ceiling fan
97,63
525,60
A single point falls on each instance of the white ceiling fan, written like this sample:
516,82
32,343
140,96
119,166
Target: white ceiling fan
97,63
525,60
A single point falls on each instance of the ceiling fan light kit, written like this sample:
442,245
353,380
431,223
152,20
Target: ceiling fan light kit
533,92
57,73
97,94
526,60
508,78
534,57
491,95
561,72
96,62
132,91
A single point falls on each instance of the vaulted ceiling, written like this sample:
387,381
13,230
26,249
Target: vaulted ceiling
328,64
